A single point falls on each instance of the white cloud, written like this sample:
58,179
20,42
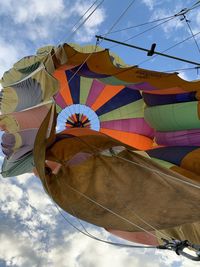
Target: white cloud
9,53
36,235
49,20
184,76
91,25
149,3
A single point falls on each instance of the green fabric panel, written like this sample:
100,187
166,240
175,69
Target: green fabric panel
113,81
23,165
173,117
163,163
85,86
30,68
132,110
58,109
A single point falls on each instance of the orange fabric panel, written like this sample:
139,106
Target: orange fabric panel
189,174
64,87
191,161
108,92
80,131
138,237
134,140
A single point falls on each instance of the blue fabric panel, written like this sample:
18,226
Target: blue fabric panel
154,100
124,97
74,86
173,154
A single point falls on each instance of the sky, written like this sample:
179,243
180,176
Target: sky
32,230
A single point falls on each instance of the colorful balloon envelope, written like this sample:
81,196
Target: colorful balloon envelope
153,112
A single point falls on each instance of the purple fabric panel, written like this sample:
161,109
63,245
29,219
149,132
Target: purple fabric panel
79,158
96,88
7,144
179,138
85,71
28,139
142,86
60,101
137,125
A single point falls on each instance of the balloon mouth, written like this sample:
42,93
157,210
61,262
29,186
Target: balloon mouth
77,116
78,120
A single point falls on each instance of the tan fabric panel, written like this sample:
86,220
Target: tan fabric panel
100,62
116,184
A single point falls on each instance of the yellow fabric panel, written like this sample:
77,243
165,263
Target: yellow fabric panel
9,124
18,141
9,101
48,83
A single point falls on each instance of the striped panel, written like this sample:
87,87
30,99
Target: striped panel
178,138
173,117
29,93
85,85
111,80
60,100
64,88
136,125
95,90
135,140
108,93
123,98
174,154
83,70
74,85
132,110
153,100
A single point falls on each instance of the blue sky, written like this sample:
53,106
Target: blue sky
32,232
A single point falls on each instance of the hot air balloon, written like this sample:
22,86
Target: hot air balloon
115,145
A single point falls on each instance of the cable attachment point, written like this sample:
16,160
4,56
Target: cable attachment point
178,246
152,50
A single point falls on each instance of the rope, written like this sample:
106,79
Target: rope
73,28
142,24
84,21
147,30
190,29
119,18
86,233
169,48
95,149
158,172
